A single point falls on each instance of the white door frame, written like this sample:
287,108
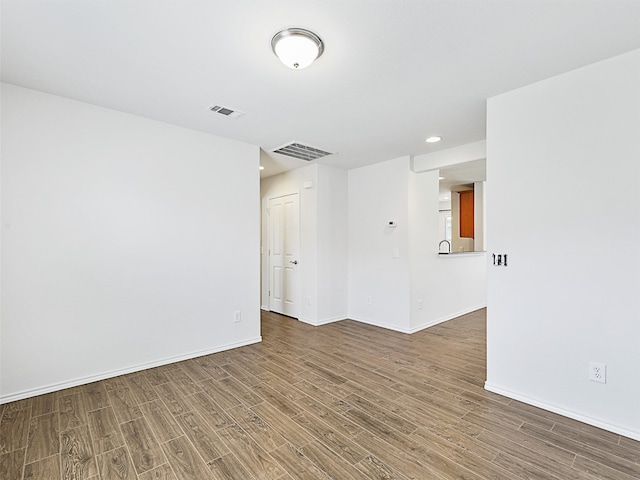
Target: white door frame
290,306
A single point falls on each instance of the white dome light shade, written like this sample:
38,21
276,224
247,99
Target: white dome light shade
297,48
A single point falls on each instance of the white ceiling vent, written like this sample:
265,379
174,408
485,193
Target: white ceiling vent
300,151
227,112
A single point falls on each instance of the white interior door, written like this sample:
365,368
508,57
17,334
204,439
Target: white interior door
284,250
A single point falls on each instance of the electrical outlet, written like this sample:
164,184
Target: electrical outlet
597,372
499,259
420,304
237,316
369,300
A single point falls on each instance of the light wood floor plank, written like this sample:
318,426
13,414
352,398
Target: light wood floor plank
204,438
43,404
185,461
246,395
124,404
262,433
602,472
182,381
44,438
96,396
317,392
157,376
333,465
396,458
254,458
297,464
228,467
73,410
332,416
45,469
213,413
340,444
11,465
283,424
116,465
143,446
14,429
141,388
195,370
105,431
172,398
375,469
161,421
76,454
163,472
222,396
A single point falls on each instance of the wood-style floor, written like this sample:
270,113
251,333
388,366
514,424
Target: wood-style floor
343,401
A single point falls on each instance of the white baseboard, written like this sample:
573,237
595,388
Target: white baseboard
411,330
376,323
635,435
445,318
114,373
318,323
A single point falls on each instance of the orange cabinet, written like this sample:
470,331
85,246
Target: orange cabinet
466,214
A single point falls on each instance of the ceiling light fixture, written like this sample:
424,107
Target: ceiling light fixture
261,167
433,139
297,48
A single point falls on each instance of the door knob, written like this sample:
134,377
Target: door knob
295,262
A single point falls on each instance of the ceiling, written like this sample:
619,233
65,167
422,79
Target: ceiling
393,72
455,177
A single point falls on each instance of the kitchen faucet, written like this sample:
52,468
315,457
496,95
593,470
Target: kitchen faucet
447,242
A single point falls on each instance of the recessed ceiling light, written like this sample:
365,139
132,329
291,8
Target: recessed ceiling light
445,198
297,48
261,167
433,139
440,178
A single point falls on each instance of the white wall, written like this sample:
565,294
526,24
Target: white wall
379,290
126,243
450,156
571,292
286,184
323,239
333,253
446,286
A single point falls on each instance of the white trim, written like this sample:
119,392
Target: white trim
411,330
380,324
635,435
451,156
326,321
267,226
265,308
114,373
446,318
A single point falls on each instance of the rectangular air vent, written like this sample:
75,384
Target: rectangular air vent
227,112
300,151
